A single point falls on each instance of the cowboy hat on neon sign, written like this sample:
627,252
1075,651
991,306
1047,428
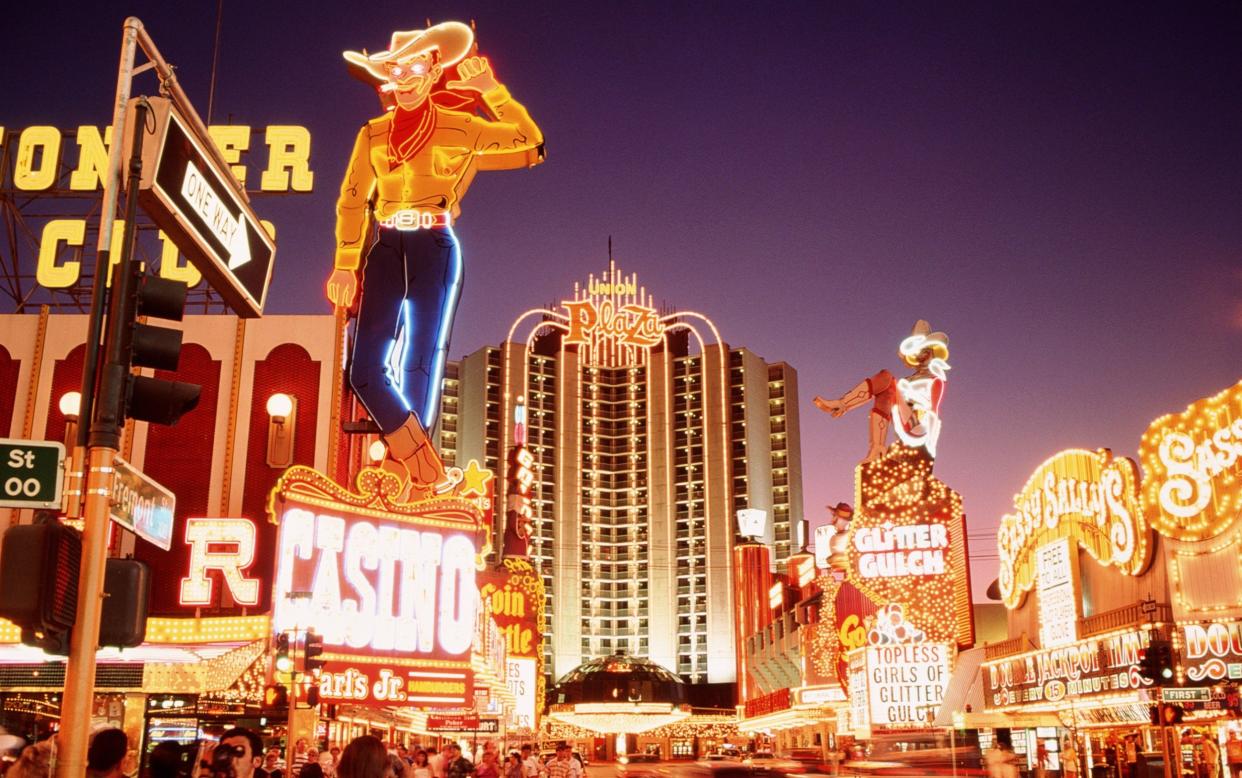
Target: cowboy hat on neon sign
416,59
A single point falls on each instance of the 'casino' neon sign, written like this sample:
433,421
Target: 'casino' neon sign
389,586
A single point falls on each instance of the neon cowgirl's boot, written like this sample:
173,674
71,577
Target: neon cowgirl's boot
410,446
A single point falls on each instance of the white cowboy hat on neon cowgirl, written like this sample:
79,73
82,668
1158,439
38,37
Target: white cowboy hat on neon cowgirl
451,39
921,338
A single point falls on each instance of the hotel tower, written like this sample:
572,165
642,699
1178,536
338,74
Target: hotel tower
648,434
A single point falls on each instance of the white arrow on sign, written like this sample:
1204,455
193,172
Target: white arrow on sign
230,230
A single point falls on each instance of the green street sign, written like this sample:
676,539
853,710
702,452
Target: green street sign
1186,694
31,473
141,505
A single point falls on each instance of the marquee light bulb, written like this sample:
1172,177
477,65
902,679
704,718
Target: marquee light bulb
377,451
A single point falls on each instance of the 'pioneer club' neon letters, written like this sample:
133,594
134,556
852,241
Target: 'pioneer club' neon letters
376,585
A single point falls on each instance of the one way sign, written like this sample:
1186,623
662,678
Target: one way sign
200,207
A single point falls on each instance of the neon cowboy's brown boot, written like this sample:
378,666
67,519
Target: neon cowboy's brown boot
410,446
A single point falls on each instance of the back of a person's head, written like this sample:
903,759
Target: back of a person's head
35,762
107,750
364,757
165,761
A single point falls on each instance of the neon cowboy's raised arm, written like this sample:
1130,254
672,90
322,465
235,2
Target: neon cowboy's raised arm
354,204
515,141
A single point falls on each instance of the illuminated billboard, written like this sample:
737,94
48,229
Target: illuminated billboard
1193,463
906,544
1088,497
514,590
390,586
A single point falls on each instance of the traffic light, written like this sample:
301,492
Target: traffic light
284,662
314,650
275,697
1156,661
148,399
1170,714
39,566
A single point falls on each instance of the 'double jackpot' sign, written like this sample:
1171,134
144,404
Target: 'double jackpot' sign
391,588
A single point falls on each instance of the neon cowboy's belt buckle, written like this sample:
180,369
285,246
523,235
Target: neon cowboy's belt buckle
417,219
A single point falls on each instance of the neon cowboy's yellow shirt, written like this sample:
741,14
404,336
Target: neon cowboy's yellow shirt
434,179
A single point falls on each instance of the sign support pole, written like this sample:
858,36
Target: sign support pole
104,443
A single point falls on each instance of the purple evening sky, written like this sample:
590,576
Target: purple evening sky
1056,185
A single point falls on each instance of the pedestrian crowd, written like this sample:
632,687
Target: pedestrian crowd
240,753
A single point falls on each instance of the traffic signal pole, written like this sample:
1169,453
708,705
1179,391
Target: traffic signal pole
104,441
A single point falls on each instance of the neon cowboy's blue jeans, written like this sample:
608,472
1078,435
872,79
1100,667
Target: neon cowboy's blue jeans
410,286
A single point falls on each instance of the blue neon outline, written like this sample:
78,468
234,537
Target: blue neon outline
431,411
397,371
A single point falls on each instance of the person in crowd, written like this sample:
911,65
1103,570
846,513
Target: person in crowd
531,766
1041,760
34,762
421,766
1069,759
165,761
328,764
489,767
247,754
400,767
563,765
456,765
301,755
435,760
513,765
271,764
335,750
1211,755
364,757
106,754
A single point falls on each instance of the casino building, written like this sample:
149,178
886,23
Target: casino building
649,433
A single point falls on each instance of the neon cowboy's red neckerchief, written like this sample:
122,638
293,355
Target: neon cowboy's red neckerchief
412,129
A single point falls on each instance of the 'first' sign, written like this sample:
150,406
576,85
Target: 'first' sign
31,473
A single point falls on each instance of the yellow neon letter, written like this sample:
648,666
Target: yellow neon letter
49,274
45,140
171,267
271,228
232,139
92,159
582,318
288,160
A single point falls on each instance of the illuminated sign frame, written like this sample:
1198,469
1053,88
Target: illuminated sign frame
204,536
1193,463
1096,666
904,678
896,495
412,565
614,321
200,207
1089,497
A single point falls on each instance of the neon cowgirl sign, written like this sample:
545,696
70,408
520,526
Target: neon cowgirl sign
390,587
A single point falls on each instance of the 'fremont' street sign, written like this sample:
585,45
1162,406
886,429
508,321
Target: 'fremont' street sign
141,505
199,205
31,473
